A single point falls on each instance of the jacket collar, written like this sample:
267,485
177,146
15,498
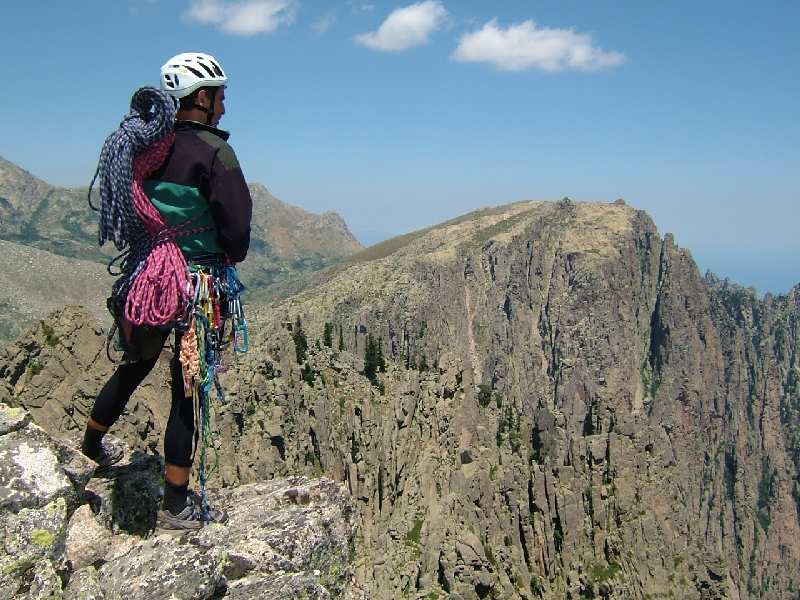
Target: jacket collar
189,125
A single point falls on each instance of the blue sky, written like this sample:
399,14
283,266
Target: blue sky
399,115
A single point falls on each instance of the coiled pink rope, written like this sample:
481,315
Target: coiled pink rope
160,291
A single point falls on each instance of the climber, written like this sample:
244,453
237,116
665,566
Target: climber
204,207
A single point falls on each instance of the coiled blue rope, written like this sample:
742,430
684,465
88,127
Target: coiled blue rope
151,118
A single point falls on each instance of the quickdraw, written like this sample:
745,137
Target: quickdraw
214,301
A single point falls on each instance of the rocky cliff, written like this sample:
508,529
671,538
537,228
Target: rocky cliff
73,534
567,410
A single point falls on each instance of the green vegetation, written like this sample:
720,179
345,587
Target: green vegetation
601,573
18,566
487,550
313,461
504,226
484,394
50,338
374,361
558,536
730,474
341,339
308,374
414,535
42,538
327,336
509,428
766,494
537,587
651,382
35,368
300,342
379,356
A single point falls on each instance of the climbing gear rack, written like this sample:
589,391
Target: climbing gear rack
214,320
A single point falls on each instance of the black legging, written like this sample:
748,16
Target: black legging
180,427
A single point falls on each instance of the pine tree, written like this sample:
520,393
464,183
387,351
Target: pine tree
379,361
300,342
341,339
327,337
371,360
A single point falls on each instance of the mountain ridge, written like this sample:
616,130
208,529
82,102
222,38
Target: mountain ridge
568,410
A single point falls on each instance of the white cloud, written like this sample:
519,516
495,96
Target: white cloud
244,17
526,46
406,27
325,22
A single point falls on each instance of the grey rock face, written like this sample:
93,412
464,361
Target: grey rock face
160,568
84,585
87,540
569,410
12,419
30,475
269,546
33,542
282,537
36,491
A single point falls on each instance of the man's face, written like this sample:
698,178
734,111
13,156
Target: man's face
204,99
219,106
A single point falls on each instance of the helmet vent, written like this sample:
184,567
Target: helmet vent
217,70
207,69
195,72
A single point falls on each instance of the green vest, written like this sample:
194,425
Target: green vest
180,203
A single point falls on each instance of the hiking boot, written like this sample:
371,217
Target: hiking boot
110,454
191,517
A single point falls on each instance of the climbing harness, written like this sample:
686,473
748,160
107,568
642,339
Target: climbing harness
156,286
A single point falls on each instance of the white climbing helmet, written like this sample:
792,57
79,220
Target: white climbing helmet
186,72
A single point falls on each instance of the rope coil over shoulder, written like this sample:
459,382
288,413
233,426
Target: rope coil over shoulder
151,289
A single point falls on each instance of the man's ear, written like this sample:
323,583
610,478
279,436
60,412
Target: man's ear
203,99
